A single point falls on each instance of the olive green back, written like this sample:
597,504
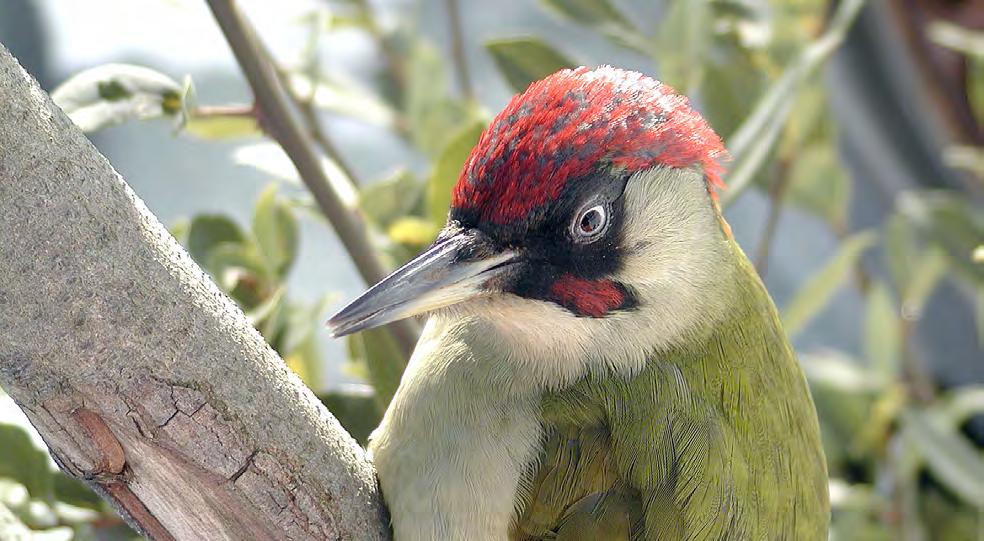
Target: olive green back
717,439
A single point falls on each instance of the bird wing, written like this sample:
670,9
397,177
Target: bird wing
715,442
617,466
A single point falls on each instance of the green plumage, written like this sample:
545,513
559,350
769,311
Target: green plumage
717,439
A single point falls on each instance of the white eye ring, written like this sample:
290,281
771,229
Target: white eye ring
590,223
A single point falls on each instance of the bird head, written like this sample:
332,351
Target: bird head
586,209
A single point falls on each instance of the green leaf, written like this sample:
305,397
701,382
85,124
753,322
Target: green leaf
11,527
903,250
963,40
376,350
732,83
953,223
355,408
684,36
265,310
602,15
74,492
883,335
966,157
114,93
345,98
975,92
25,463
951,459
751,144
392,198
218,125
299,341
432,114
819,184
524,60
306,320
413,231
305,361
207,231
447,168
979,294
957,406
275,229
241,272
816,293
179,230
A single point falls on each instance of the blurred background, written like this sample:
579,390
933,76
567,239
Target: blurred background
856,187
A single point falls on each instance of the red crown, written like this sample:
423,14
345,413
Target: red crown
567,125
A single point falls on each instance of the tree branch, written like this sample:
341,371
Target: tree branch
278,117
142,377
458,50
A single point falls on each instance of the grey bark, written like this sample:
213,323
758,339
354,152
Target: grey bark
142,377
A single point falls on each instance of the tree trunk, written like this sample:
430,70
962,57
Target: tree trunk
142,377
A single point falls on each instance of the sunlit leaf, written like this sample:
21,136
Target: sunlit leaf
275,229
953,223
952,459
524,60
355,407
858,509
240,271
305,361
12,528
882,332
262,312
412,231
271,159
376,350
304,321
959,38
179,230
218,125
819,184
751,143
601,15
966,157
732,84
683,39
957,406
844,392
813,296
114,93
345,99
206,231
432,114
391,198
447,168
74,492
25,463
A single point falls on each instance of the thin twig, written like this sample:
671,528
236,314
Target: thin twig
284,127
777,192
458,50
305,104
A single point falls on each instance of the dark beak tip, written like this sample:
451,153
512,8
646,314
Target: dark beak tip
332,326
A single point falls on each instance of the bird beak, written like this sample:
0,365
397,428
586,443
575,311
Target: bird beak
452,270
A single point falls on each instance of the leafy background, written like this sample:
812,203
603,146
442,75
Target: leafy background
882,294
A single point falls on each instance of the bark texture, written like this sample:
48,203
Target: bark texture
142,377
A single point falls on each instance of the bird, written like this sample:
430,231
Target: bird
600,359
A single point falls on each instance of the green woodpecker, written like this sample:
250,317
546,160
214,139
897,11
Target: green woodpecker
601,361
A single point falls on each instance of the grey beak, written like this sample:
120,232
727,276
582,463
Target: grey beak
444,275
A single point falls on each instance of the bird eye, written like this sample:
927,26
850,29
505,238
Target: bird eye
590,223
